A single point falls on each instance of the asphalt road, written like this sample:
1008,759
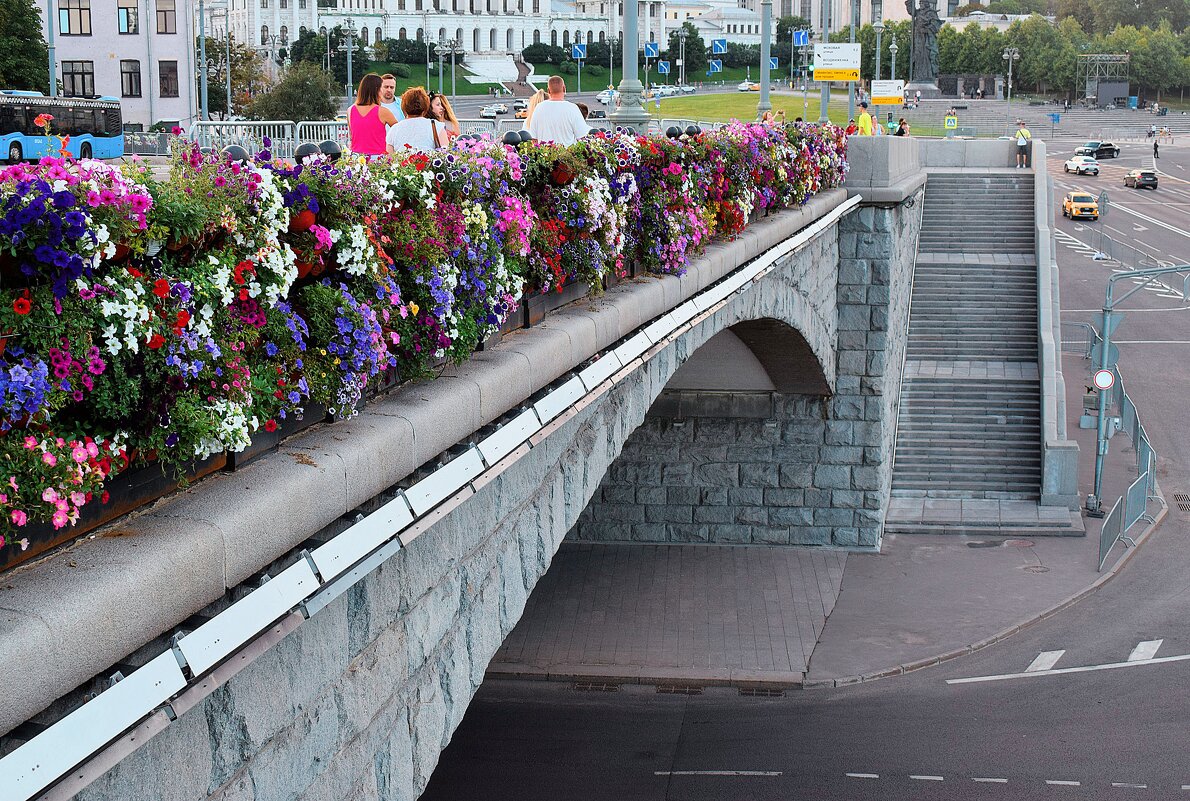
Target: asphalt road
1095,733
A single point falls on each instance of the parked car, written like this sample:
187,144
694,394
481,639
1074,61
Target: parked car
1141,179
489,112
520,103
607,96
597,114
1099,150
687,90
1082,165
748,86
1080,204
521,113
667,91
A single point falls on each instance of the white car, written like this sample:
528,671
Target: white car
501,108
1082,165
520,103
687,90
748,86
607,96
667,91
489,112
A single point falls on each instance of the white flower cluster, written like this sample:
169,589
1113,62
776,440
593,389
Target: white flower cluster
276,270
128,315
234,432
354,252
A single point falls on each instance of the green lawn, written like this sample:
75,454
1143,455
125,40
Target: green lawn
742,106
417,77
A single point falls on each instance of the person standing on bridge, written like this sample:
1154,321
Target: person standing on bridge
1022,144
865,120
557,119
1155,155
388,95
367,119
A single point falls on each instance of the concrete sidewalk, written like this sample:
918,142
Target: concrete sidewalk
779,616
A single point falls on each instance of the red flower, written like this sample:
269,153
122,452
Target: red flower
22,306
156,341
135,273
183,318
302,221
105,497
161,288
270,426
244,267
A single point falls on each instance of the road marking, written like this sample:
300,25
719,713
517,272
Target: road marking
1156,222
716,773
1152,342
1160,660
864,775
1148,648
1139,228
1061,783
1135,786
927,778
1044,661
990,781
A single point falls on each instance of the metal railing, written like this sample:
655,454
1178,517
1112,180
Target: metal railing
321,131
1128,256
282,135
146,144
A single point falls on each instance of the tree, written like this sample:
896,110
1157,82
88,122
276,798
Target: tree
311,48
406,51
546,54
247,76
696,51
787,25
24,57
305,93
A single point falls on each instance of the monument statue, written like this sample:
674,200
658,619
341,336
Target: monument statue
923,65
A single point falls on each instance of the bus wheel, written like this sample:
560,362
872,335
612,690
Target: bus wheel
85,151
14,152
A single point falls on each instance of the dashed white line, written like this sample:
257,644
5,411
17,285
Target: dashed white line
1146,649
1130,785
1062,783
1044,661
716,773
1158,660
987,780
864,775
927,778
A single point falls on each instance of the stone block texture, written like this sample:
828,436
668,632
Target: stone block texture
771,468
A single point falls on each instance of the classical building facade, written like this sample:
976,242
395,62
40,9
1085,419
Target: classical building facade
140,51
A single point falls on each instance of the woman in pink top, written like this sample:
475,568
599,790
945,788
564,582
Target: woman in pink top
366,120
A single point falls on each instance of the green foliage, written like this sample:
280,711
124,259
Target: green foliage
787,25
546,54
311,48
247,74
305,93
24,58
696,52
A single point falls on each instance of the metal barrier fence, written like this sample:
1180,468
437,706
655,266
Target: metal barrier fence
146,144
282,135
1128,256
318,132
1132,507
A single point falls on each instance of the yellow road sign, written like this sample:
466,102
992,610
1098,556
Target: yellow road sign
836,75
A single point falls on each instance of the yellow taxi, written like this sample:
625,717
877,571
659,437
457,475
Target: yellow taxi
1080,204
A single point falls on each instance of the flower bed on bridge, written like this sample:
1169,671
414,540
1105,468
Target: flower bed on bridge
171,321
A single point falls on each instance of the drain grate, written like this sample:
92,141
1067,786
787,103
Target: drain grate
1182,500
597,686
762,692
678,689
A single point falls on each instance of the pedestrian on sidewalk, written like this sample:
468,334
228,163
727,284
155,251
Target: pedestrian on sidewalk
1022,144
865,120
1155,154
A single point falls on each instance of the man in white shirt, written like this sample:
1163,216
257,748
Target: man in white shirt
556,119
388,95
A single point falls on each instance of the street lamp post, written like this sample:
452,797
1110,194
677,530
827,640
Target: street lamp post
349,48
440,47
826,87
631,112
851,38
878,26
227,26
682,34
50,23
892,48
1011,54
203,107
766,35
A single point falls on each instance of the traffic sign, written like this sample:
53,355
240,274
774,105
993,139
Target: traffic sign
836,62
652,50
715,65
663,67
718,46
801,38
1055,118
888,93
1114,318
1113,354
578,51
773,62
950,122
1104,379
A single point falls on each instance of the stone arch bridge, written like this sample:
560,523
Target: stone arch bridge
315,625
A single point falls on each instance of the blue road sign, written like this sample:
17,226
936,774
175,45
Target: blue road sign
718,46
1055,118
652,50
578,51
663,67
800,39
716,65
773,62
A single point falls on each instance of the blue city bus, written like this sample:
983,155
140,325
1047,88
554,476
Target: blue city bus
94,125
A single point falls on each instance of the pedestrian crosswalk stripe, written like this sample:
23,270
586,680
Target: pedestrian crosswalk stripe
1044,661
1145,650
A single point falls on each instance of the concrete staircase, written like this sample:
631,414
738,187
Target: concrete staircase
969,425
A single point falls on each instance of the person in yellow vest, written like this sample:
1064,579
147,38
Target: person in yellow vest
865,120
1022,143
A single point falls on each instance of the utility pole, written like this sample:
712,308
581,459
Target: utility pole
851,84
878,25
631,112
682,34
227,25
823,116
1011,54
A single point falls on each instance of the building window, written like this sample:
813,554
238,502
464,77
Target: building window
402,35
74,17
78,78
536,36
130,78
284,3
285,34
126,16
302,4
264,35
380,36
167,16
168,71
363,36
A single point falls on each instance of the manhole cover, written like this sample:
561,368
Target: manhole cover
1182,500
1036,569
1018,543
